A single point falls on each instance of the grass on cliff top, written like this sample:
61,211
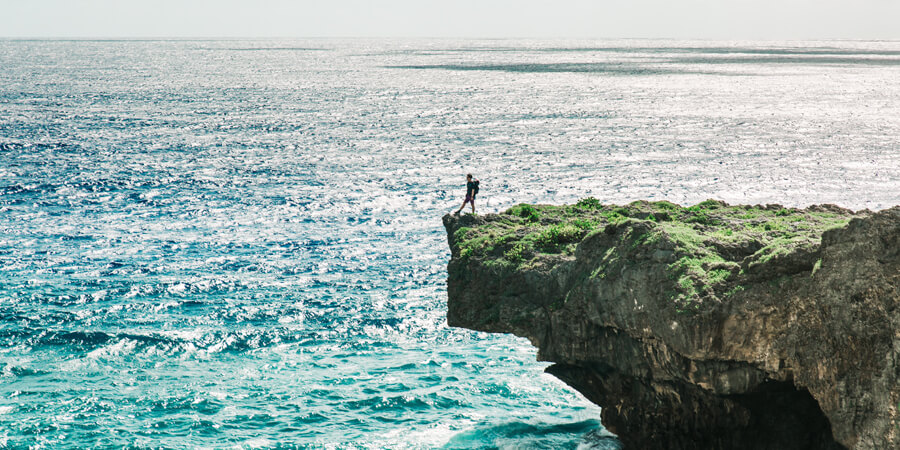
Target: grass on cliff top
711,243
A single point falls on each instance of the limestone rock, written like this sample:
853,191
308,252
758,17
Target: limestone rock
713,326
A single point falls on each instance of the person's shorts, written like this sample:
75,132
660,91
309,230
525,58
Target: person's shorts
469,199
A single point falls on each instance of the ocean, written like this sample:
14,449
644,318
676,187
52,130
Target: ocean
238,244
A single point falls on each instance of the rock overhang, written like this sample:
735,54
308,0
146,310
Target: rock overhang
713,298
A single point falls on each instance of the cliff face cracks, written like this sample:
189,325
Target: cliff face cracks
713,326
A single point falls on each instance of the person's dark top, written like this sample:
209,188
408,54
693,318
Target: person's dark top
470,188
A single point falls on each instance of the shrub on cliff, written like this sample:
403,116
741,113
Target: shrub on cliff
551,238
527,212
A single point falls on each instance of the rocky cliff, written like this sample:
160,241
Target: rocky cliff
711,326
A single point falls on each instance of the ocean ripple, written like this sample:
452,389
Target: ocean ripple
238,243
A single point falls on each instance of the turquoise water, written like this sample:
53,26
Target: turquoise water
238,243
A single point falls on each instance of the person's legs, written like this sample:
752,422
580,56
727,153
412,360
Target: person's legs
467,200
472,200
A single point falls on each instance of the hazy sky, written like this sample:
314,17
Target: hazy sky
708,19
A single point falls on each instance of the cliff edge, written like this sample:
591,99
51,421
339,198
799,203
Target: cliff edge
710,326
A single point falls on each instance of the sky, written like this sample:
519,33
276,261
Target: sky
684,19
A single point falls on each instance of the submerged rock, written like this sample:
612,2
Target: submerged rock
712,326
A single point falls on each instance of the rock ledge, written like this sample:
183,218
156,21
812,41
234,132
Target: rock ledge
711,326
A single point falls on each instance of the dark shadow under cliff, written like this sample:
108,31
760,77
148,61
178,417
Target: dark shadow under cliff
775,416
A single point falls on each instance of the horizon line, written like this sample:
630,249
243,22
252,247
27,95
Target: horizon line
473,38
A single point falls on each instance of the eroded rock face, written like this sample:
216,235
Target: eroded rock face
750,327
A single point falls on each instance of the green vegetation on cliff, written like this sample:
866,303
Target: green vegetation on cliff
708,248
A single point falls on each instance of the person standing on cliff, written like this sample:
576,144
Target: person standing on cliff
471,192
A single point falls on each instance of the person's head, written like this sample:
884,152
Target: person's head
469,177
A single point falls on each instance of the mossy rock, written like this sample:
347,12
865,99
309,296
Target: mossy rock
710,249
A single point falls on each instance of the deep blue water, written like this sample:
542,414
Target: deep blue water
238,243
